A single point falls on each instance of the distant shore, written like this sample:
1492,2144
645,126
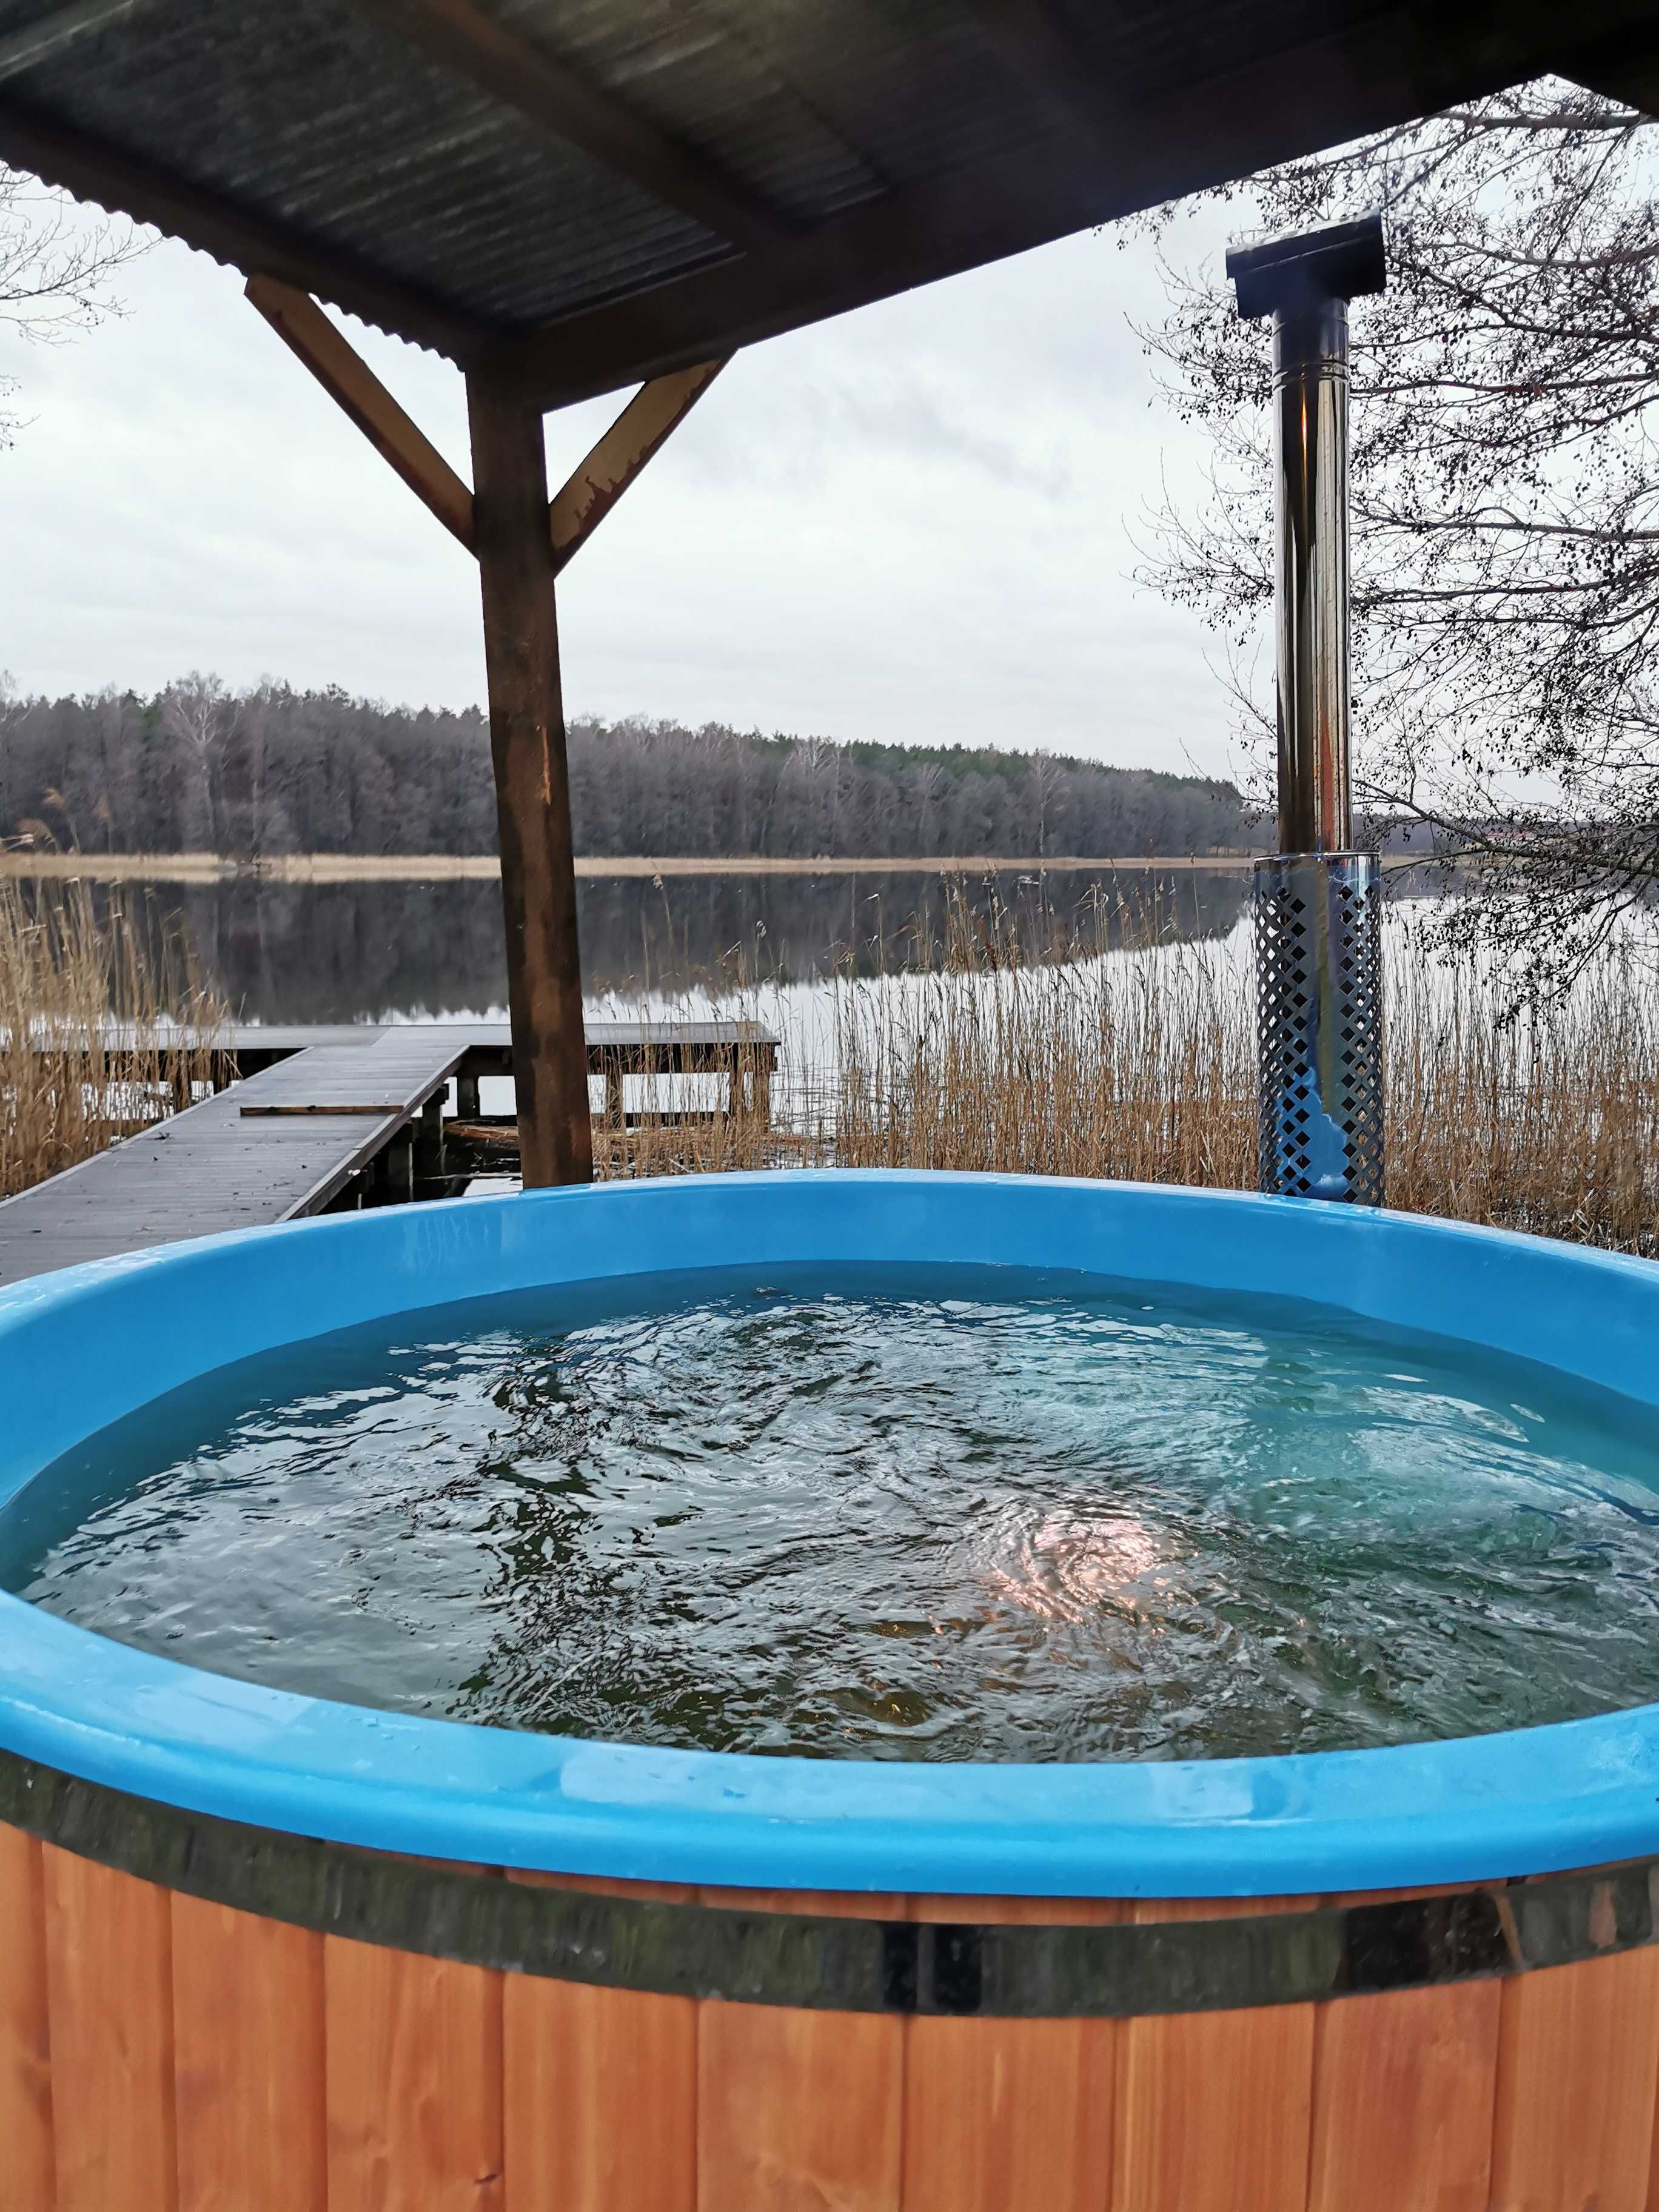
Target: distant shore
445,867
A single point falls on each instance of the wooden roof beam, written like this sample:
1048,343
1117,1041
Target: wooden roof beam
1032,38
39,41
653,414
460,37
94,170
353,386
1626,69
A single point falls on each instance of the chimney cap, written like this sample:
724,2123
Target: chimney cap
1341,262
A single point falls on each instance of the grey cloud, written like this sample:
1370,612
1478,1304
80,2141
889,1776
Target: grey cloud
908,522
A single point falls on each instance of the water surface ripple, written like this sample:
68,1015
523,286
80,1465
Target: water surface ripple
894,1513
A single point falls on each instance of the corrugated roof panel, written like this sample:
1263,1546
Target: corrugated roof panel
308,111
1156,45
684,68
817,105
1004,121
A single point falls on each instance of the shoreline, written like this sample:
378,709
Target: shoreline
448,867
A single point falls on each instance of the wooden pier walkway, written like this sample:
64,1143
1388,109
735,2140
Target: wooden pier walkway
315,1108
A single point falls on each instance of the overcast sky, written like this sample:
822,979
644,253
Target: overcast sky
914,523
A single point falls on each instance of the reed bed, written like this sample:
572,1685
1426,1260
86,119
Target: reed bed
1076,1060
1083,1060
99,1033
1544,1118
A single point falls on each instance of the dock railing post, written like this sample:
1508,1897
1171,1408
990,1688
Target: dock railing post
430,1139
1318,903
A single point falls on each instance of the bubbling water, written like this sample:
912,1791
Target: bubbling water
888,1513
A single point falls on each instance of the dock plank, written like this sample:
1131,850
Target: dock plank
214,1168
397,1073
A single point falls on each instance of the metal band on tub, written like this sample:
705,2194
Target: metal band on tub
1024,1971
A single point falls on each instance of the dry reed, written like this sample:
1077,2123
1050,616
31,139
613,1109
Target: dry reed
1080,1060
100,1034
1544,1119
1071,1060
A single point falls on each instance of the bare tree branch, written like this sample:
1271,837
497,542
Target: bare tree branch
1506,498
56,261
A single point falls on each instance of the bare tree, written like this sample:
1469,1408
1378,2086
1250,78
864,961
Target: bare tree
1046,776
270,769
55,264
927,782
196,713
1506,499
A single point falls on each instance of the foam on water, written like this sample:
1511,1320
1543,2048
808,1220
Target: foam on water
893,1513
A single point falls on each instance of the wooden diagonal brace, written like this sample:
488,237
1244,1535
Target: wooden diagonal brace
576,510
348,380
656,409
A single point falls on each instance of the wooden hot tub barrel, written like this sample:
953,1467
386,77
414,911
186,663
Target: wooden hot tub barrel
261,1953
198,2016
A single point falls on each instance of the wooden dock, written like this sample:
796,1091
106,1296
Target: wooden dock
317,1114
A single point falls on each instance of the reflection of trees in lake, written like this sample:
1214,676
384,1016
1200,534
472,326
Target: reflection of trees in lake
792,927
344,952
339,952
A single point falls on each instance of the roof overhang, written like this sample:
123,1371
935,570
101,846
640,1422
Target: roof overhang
584,193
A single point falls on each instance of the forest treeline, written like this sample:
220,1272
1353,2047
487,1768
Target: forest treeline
270,770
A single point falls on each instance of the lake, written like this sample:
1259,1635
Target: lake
362,951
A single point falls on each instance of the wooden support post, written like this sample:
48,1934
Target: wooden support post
532,784
430,1139
752,1079
521,541
393,1174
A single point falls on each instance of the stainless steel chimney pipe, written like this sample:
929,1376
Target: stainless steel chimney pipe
1310,598
1318,906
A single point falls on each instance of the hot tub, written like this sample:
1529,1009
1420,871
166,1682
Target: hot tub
261,1951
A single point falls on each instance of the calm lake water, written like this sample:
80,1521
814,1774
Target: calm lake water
361,951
